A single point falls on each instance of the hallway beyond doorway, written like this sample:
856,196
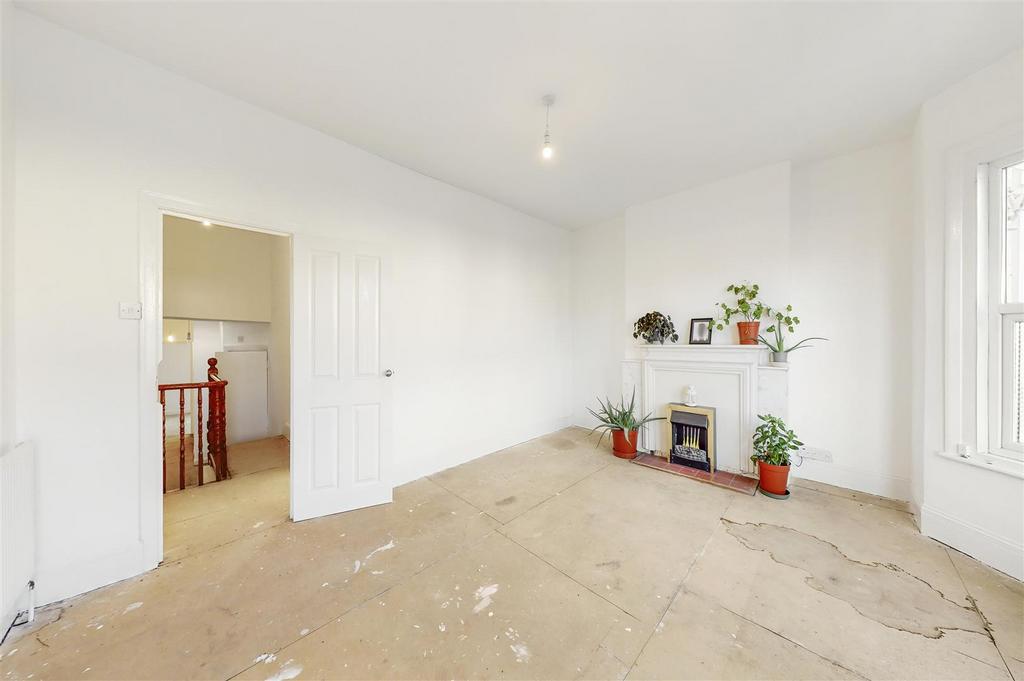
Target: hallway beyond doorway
254,498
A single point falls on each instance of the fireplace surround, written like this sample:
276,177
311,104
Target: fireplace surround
737,380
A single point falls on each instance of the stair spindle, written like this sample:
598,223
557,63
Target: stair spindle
181,438
199,433
163,439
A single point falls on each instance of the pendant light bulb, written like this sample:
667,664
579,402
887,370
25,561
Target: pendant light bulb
547,152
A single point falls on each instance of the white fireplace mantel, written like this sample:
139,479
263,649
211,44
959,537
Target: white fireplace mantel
737,380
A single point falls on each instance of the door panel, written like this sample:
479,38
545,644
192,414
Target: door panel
325,284
368,315
341,403
368,454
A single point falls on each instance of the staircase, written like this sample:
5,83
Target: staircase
216,451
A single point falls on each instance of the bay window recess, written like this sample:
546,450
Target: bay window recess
983,345
1005,323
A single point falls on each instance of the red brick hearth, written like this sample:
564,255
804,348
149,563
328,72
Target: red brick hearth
737,483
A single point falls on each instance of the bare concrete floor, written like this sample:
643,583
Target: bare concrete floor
548,560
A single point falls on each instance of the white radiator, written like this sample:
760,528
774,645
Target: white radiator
17,530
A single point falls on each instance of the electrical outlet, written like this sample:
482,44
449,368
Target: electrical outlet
241,339
815,454
129,310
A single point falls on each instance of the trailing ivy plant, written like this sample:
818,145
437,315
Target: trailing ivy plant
773,441
618,416
747,305
785,320
655,327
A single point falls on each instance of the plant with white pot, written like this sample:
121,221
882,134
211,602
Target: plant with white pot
785,320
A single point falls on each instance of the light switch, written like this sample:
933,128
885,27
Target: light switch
129,310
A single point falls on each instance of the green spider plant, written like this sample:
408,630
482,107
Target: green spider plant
785,320
618,416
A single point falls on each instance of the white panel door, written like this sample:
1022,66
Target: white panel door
341,402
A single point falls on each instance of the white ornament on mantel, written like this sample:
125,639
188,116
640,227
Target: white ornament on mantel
690,396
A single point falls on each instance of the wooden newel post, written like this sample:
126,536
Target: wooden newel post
217,433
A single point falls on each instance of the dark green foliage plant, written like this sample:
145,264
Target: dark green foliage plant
654,327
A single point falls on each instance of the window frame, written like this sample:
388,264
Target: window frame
996,317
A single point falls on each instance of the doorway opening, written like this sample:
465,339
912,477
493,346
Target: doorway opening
224,382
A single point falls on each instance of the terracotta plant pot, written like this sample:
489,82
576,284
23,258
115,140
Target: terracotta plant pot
623,447
773,479
748,332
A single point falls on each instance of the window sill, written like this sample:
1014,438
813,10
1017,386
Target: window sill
990,462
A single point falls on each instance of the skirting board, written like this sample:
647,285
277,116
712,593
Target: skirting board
872,483
973,540
413,470
56,584
72,579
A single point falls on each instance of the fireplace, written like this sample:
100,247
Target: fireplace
693,436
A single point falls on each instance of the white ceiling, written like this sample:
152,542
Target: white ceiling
652,98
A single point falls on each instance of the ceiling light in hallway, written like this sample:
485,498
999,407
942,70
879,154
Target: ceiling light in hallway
548,151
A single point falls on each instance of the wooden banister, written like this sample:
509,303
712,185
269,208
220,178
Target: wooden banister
218,443
216,433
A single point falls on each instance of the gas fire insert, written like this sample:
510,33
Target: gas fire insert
692,436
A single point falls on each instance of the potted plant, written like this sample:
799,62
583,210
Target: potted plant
621,421
777,344
655,327
773,442
748,307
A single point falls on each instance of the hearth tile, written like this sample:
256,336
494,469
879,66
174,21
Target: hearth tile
723,479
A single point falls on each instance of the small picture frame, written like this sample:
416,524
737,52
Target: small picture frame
700,331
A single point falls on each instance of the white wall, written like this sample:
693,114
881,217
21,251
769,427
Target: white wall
280,337
7,410
832,238
216,272
11,597
598,314
684,249
849,256
207,341
482,291
238,334
979,511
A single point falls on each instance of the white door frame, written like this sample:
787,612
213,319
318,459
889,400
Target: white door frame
152,209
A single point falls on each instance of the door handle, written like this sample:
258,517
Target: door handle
388,373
